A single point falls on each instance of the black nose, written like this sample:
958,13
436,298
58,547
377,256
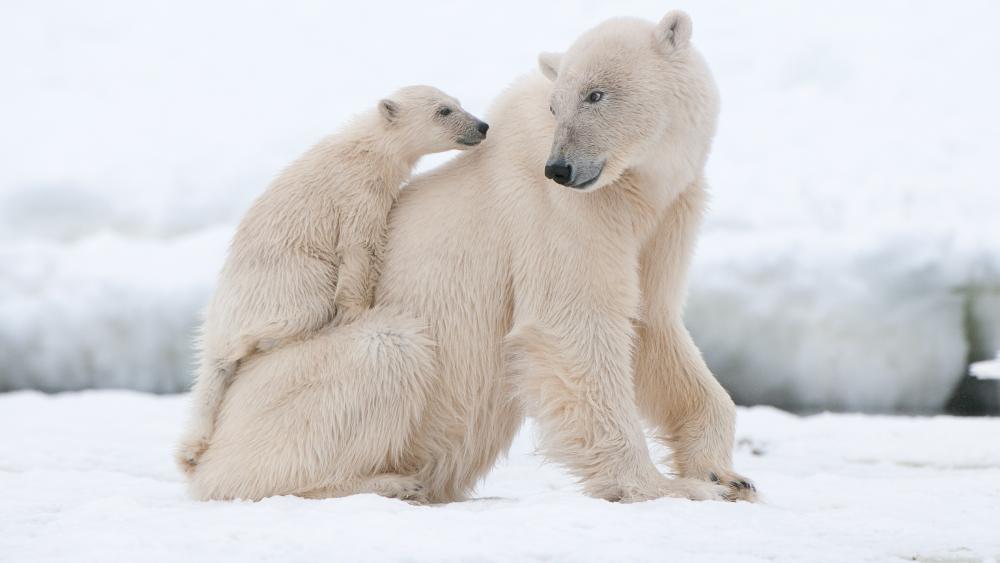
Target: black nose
560,173
483,127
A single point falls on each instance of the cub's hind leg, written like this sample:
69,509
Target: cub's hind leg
328,416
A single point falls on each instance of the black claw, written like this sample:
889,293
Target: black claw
745,484
713,477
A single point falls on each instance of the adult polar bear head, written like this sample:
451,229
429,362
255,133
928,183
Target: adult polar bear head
621,93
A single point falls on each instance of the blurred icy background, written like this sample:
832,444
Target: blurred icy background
851,259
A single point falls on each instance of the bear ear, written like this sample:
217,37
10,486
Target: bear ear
549,64
389,109
674,30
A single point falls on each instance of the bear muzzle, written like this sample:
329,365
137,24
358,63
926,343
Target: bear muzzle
565,174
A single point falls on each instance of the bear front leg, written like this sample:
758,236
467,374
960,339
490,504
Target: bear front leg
693,414
584,407
675,390
353,295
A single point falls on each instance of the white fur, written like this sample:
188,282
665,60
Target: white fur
508,295
309,250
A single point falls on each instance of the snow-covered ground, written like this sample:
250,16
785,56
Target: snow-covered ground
851,258
988,369
88,477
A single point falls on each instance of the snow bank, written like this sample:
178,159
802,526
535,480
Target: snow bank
987,370
810,319
105,311
850,258
88,477
802,322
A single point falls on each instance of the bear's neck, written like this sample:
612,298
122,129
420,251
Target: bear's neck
389,150
661,179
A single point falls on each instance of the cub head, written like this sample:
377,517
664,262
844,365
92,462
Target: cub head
626,93
427,120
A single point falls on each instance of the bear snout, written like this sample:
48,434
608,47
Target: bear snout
559,172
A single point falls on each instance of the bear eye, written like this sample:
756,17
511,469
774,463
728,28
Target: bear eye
595,96
444,111
552,110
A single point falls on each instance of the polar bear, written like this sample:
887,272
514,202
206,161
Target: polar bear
520,297
308,252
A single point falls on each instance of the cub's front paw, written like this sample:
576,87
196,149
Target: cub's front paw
347,314
189,453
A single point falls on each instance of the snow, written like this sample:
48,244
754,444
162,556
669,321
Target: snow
987,370
849,261
66,324
871,329
88,477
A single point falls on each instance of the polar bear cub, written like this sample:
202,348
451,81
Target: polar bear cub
308,251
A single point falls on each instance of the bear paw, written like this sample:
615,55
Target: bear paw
691,489
737,486
400,487
189,454
694,489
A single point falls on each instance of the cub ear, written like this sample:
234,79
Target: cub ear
389,109
674,30
549,64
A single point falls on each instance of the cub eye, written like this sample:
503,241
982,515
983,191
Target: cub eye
444,111
595,96
552,110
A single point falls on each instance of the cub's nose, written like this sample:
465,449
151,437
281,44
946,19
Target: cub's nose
483,127
559,172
